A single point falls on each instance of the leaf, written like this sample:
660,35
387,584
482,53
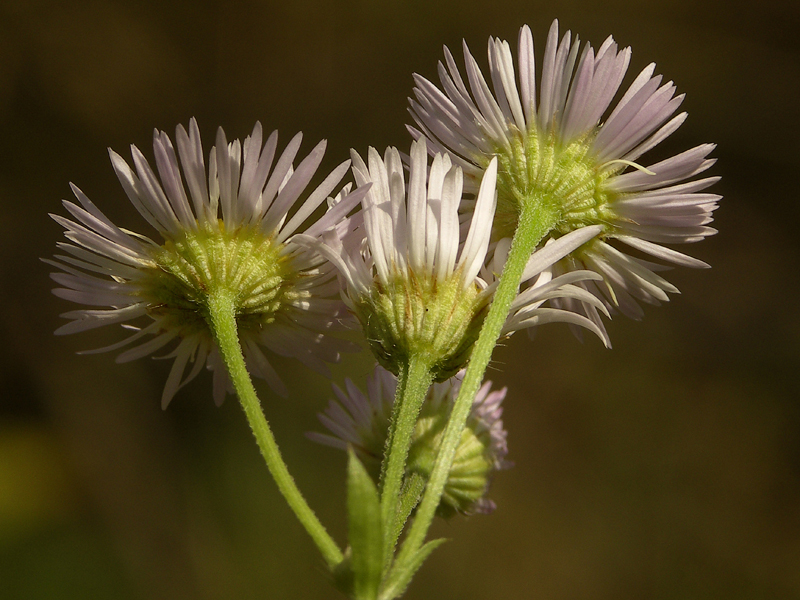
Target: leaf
409,498
365,530
401,575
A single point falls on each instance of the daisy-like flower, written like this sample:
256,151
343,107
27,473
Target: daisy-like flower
232,232
362,421
411,281
554,152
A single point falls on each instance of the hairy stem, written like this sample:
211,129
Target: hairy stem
534,223
413,382
221,319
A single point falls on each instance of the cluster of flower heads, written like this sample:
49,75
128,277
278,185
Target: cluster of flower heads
361,421
418,264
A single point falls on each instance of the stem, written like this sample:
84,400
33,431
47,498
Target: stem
221,319
534,223
414,379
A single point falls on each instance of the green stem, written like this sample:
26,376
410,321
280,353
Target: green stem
534,223
222,321
413,382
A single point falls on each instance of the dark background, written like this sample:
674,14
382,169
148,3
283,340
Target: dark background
668,467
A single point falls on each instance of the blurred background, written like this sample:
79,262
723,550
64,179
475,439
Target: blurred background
668,467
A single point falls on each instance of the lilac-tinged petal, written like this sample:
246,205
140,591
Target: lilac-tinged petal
558,249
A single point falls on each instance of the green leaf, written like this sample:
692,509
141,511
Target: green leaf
365,530
409,498
401,575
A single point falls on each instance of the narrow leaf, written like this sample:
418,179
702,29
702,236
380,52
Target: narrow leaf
401,575
365,530
409,498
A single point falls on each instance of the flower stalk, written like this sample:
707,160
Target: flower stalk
535,221
414,379
221,318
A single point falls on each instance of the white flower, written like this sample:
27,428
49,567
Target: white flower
553,149
416,230
410,279
362,420
233,230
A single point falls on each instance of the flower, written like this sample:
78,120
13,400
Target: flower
362,421
232,232
555,153
410,280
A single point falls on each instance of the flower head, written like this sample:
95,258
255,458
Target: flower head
231,233
362,421
554,151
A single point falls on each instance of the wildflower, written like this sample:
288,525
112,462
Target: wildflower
362,421
232,234
410,280
554,153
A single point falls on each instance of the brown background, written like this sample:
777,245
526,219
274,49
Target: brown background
668,467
